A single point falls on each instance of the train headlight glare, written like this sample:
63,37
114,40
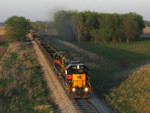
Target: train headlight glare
86,89
73,89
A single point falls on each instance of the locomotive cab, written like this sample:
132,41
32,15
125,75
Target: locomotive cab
77,75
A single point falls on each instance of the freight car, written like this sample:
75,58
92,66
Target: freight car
73,74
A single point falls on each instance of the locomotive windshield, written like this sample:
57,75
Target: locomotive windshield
77,70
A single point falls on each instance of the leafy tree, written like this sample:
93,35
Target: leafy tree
17,27
115,25
119,32
77,23
140,22
130,28
106,28
96,33
90,23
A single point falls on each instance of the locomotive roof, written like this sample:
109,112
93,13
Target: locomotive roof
70,65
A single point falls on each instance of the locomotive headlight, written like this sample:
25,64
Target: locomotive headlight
66,72
86,89
73,89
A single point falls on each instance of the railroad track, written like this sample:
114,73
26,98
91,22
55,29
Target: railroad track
85,106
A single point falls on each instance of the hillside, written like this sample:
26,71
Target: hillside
22,84
132,96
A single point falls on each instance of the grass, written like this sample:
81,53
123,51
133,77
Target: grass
135,52
132,96
3,49
22,85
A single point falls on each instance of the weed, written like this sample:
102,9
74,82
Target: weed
132,96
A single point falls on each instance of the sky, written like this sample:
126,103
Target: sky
44,9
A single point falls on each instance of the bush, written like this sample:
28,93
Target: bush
17,27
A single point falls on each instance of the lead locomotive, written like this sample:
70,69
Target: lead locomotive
74,74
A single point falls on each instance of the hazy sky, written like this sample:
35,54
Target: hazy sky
44,9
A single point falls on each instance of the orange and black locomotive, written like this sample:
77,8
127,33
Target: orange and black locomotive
74,74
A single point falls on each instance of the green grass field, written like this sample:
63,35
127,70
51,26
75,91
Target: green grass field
133,53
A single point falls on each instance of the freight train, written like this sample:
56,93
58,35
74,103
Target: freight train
73,74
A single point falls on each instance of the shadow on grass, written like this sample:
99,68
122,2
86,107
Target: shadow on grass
113,74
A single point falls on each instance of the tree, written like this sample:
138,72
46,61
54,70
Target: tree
95,33
77,24
115,24
106,28
130,28
83,23
17,27
140,22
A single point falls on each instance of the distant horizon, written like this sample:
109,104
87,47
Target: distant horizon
44,10
72,10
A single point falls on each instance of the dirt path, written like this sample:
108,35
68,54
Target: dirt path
59,95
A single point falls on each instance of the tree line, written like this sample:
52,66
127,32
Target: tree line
98,27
